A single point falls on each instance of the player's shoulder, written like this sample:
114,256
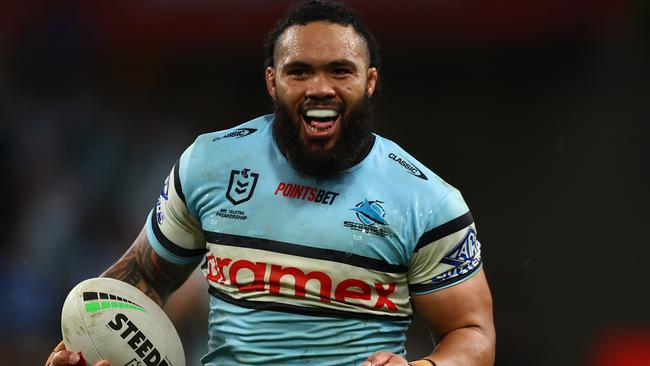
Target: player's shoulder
241,133
418,186
407,171
229,142
227,145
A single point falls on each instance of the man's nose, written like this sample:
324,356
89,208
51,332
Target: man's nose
318,87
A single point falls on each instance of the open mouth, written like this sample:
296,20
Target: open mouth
320,122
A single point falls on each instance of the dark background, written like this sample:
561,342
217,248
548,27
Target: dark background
536,110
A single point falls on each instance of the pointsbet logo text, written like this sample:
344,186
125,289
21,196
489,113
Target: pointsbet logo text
305,193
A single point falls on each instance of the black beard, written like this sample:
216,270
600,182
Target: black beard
351,147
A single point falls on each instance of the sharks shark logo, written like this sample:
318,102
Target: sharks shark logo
371,216
370,212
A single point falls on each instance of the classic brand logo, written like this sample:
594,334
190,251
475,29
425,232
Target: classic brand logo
241,186
410,167
369,213
238,133
267,277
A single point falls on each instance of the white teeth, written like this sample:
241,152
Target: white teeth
321,113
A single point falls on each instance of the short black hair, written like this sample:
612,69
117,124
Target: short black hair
321,10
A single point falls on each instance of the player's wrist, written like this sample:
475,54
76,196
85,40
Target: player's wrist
422,362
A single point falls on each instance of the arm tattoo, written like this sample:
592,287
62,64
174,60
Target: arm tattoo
143,268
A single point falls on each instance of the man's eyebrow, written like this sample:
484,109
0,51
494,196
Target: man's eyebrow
297,65
333,64
342,63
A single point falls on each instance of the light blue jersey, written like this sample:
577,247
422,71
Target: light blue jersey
307,271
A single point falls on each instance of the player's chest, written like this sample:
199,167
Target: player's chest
348,216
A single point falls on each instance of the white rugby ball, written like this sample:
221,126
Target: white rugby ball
107,319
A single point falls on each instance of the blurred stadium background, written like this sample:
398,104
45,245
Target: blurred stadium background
537,110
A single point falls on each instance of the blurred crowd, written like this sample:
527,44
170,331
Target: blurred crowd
76,196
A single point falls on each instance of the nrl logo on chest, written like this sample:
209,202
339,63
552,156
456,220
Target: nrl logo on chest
241,186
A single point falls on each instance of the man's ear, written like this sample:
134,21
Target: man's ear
270,81
373,77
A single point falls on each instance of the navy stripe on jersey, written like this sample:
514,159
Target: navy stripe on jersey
445,229
428,287
303,251
169,245
177,181
302,310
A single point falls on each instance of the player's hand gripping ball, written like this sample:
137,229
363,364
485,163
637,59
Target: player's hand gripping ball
109,319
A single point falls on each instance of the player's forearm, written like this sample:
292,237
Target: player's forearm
469,346
144,269
128,269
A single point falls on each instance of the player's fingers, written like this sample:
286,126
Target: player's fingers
59,357
64,358
59,347
103,363
396,361
377,359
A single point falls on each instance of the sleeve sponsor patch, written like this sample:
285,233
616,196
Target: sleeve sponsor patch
446,261
173,232
464,257
164,195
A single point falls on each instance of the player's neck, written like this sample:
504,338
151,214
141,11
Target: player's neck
367,144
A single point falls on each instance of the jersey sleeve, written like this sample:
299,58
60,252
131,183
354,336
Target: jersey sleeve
448,252
173,232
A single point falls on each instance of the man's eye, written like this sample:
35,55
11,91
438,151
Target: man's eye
298,72
341,71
